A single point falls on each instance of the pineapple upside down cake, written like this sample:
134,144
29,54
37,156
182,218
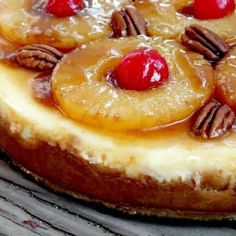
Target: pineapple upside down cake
130,104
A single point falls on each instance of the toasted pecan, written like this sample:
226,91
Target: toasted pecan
213,120
38,57
128,22
205,42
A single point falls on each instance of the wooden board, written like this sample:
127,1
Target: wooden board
29,209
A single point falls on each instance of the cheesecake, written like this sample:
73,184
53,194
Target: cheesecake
143,124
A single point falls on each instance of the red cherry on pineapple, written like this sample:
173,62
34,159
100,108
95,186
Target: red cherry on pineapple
64,8
141,69
212,9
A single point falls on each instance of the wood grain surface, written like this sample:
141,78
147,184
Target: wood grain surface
29,209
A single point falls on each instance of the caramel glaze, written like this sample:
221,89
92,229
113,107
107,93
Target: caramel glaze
41,91
40,82
41,88
7,50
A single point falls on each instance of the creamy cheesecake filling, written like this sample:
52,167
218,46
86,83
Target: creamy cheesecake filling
162,154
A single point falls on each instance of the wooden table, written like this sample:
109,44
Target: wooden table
29,209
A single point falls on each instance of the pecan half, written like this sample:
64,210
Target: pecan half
128,22
204,41
38,57
214,120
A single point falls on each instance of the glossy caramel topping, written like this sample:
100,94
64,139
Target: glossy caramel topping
41,88
7,50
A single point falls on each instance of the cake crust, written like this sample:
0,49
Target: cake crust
63,172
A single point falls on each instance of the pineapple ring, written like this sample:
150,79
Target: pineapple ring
25,22
81,90
226,79
164,19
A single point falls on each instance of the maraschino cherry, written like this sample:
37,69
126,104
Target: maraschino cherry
64,8
212,9
141,69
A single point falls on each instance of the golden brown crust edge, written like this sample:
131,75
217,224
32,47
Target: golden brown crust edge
213,198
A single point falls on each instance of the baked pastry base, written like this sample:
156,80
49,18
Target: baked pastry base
68,174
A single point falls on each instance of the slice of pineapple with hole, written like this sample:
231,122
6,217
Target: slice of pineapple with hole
165,20
26,22
81,89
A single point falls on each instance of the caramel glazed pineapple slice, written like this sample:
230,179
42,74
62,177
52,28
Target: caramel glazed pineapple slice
166,18
28,21
226,79
85,95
